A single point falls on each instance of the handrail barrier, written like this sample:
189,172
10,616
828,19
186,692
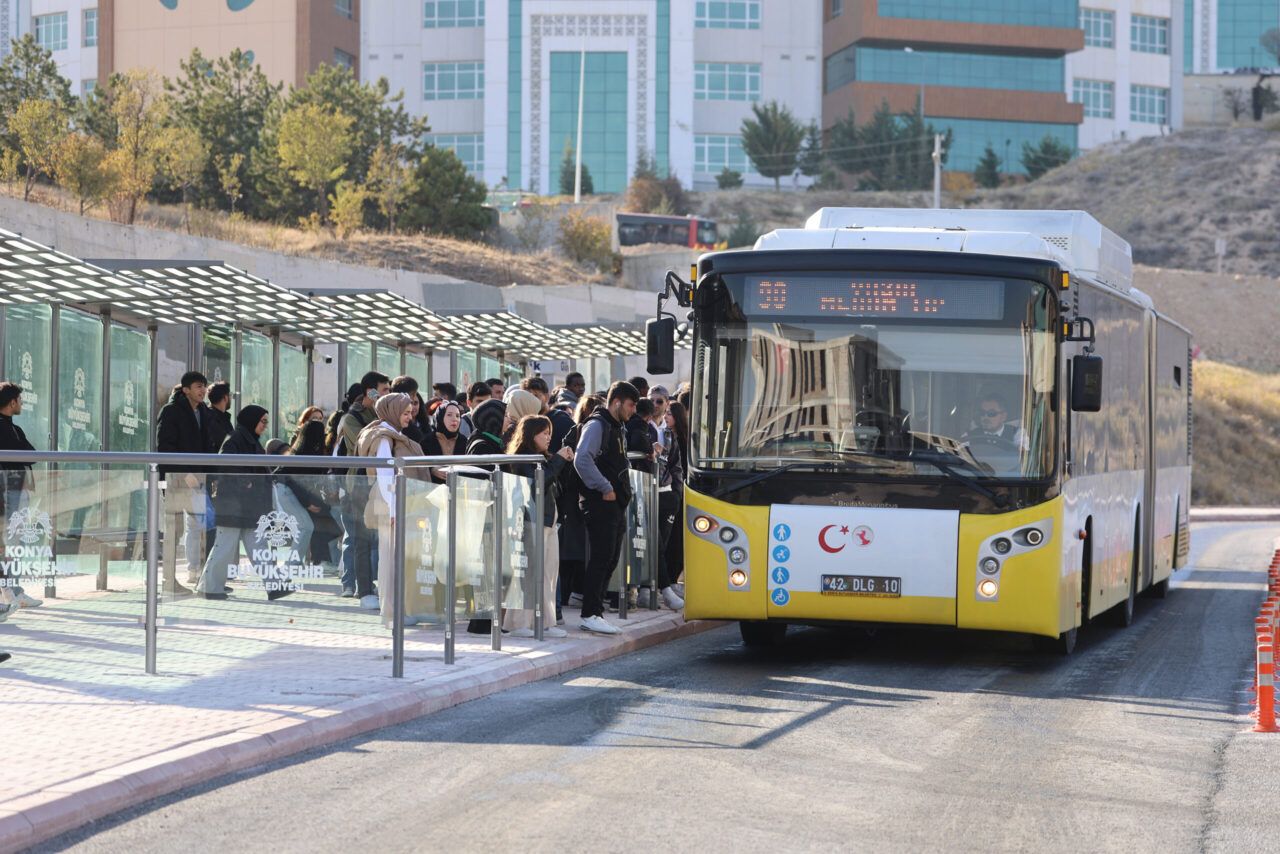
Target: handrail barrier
504,555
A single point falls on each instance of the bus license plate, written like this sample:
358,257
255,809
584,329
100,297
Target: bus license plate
880,586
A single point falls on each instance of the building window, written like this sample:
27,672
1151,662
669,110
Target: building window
721,81
946,68
452,81
90,27
727,14
1149,35
1098,26
1149,104
51,31
342,59
468,146
1097,97
714,153
837,8
1008,12
343,8
87,87
453,13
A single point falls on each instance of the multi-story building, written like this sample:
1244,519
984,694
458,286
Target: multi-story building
1222,35
69,29
1128,78
498,80
993,71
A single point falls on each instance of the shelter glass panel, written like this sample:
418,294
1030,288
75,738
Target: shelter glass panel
359,361
79,421
129,405
28,352
256,374
388,360
217,356
293,390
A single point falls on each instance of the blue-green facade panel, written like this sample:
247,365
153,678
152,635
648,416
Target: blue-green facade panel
1188,40
515,179
604,116
1024,13
970,70
662,86
971,136
1240,24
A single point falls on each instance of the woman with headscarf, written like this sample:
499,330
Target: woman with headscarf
443,438
243,499
385,438
490,421
519,404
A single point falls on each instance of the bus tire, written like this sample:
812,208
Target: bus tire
761,634
1121,616
1160,589
1063,644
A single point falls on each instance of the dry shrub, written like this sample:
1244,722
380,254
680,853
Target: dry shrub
651,195
586,239
1237,436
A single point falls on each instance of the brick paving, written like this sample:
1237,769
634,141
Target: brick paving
240,682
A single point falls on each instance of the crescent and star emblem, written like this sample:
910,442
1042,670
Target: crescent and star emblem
822,538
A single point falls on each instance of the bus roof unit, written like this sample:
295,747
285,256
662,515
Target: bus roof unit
1072,239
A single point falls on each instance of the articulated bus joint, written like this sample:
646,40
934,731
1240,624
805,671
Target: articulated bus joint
998,548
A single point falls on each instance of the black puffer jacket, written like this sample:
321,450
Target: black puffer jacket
244,492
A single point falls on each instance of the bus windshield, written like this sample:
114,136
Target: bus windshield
898,375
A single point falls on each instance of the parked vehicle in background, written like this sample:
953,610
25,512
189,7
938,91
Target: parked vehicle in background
635,229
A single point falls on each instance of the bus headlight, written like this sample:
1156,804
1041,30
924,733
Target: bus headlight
988,588
990,566
703,524
728,535
1001,546
737,554
1033,536
738,578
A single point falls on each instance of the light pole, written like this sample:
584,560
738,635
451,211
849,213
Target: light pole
912,51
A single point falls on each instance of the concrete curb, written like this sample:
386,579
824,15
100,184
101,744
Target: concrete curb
1235,514
43,815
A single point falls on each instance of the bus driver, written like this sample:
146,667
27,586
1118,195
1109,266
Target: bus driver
996,439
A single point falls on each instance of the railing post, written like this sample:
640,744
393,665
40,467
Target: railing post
153,562
628,521
499,529
451,573
535,561
655,542
397,576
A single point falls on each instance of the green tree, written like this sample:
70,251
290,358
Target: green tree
772,141
646,165
1047,154
9,162
889,152
28,73
348,203
228,102
987,173
314,145
230,169
811,158
40,126
389,181
139,109
82,170
842,144
728,179
444,199
185,159
569,172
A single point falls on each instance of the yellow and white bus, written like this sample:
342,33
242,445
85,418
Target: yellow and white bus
963,418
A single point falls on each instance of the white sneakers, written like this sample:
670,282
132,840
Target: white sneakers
548,632
672,599
522,633
597,625
8,609
25,601
369,603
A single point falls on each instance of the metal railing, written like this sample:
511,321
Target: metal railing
400,466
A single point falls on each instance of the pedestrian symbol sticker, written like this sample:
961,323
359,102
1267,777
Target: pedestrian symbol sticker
780,575
782,533
781,554
781,597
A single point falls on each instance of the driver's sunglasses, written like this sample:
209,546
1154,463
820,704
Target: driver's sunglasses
992,413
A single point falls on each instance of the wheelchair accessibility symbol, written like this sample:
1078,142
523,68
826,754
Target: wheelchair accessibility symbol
780,575
781,554
782,533
781,597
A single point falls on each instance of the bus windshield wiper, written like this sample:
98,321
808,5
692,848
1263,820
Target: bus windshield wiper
830,465
950,464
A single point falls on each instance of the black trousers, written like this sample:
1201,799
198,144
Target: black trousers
668,511
606,531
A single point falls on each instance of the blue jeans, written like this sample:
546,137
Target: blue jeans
289,503
359,556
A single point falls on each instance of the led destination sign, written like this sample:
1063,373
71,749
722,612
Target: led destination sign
925,297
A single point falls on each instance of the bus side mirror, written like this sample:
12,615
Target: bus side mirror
660,341
1086,383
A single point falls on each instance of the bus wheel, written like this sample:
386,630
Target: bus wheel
762,634
1121,616
1063,644
1160,589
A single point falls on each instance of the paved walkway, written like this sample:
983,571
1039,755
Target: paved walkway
240,683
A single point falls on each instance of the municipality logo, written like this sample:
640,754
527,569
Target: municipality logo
128,393
28,366
277,529
28,526
80,383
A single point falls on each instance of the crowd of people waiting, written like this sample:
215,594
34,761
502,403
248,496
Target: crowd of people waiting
343,515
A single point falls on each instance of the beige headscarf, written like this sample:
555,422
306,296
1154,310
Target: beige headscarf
390,407
521,403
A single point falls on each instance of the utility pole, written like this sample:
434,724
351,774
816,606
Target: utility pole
937,170
577,166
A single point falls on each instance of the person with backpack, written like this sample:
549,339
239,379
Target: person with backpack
573,528
363,542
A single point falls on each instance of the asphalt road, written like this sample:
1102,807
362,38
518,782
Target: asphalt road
904,741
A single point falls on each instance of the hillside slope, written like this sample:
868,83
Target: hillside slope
1236,436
